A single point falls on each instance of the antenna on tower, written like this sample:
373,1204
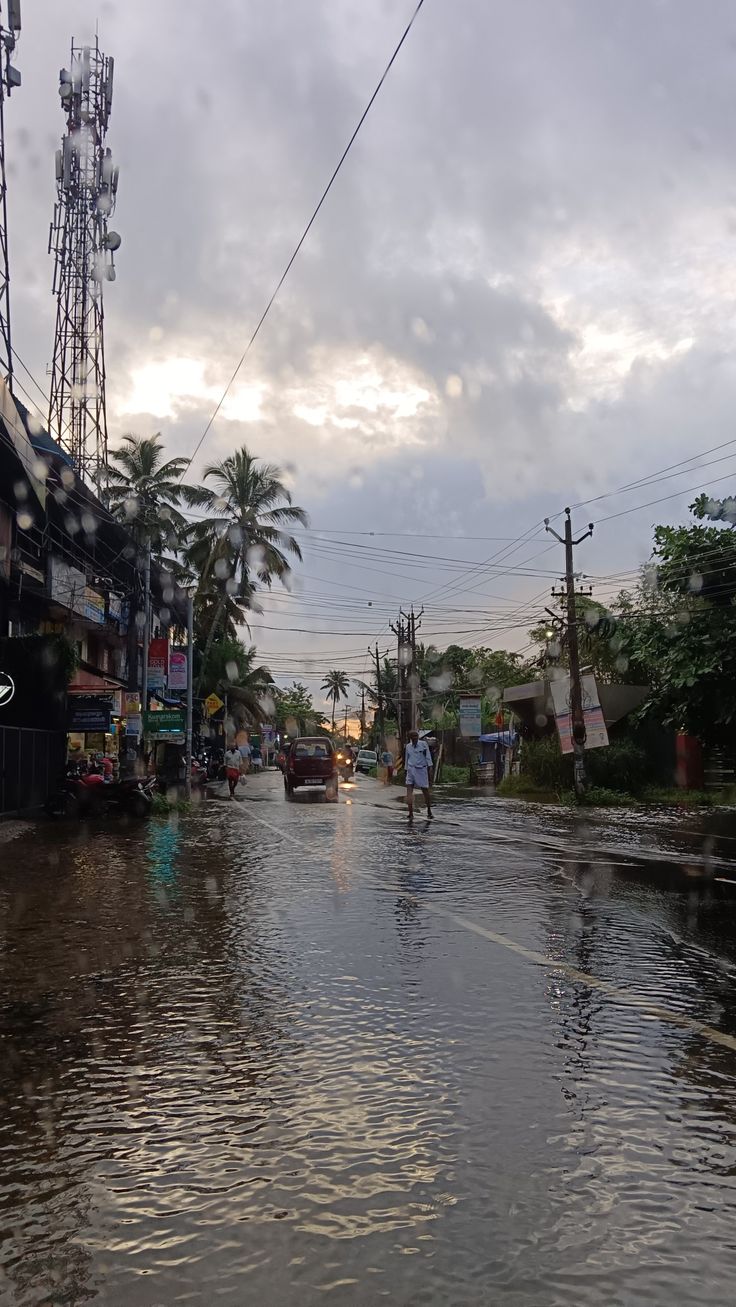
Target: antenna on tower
9,79
84,248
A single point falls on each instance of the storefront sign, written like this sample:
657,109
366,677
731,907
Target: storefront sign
89,712
115,608
469,715
7,688
169,721
158,664
596,735
177,671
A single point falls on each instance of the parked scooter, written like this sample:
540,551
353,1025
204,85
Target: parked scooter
89,795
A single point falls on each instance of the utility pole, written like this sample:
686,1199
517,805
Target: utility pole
576,688
146,626
379,694
402,651
412,622
362,716
190,689
345,727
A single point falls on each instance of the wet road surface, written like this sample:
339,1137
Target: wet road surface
298,1053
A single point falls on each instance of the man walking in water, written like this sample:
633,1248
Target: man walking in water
418,762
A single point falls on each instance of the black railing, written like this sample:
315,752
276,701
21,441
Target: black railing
31,762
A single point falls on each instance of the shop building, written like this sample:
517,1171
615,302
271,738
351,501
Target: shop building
70,575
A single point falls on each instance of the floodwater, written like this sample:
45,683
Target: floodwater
298,1053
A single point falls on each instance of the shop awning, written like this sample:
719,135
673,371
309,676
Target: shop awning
89,683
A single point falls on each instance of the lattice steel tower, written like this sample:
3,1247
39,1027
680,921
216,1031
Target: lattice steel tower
86,188
9,78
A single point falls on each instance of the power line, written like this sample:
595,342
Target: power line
306,231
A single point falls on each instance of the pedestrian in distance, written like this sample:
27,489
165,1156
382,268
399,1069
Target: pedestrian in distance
233,761
246,753
418,766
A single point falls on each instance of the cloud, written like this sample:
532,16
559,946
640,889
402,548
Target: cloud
521,282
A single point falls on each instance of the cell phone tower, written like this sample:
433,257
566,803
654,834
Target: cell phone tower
86,189
9,79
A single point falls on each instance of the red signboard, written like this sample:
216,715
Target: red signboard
158,664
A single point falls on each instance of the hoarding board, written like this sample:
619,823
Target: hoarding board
469,715
596,735
158,663
177,670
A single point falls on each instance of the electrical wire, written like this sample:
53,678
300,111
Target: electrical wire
306,231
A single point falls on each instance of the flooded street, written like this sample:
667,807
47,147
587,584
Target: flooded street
302,1054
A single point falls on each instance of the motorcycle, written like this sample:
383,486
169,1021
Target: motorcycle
88,795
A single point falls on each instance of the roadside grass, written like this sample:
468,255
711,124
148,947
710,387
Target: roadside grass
163,806
598,796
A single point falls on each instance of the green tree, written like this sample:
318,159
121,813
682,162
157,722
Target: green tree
600,642
678,630
143,491
241,543
336,686
294,705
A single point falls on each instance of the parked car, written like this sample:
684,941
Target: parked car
311,763
366,760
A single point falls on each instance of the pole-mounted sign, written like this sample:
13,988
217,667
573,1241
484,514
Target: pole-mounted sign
7,688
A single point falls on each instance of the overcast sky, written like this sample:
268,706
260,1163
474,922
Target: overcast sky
519,294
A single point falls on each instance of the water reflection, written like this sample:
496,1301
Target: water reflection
248,1062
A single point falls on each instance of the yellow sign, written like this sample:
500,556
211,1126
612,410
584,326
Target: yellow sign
213,704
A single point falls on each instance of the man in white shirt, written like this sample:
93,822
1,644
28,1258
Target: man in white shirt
233,763
418,763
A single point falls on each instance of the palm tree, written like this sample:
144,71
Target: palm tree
336,686
231,669
241,542
144,492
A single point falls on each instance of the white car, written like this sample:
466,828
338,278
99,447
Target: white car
366,760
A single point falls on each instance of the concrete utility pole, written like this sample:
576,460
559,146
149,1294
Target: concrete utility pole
146,627
379,695
576,688
400,632
362,716
190,688
413,623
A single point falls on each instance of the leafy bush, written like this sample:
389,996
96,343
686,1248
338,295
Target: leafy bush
545,766
623,766
522,786
454,775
